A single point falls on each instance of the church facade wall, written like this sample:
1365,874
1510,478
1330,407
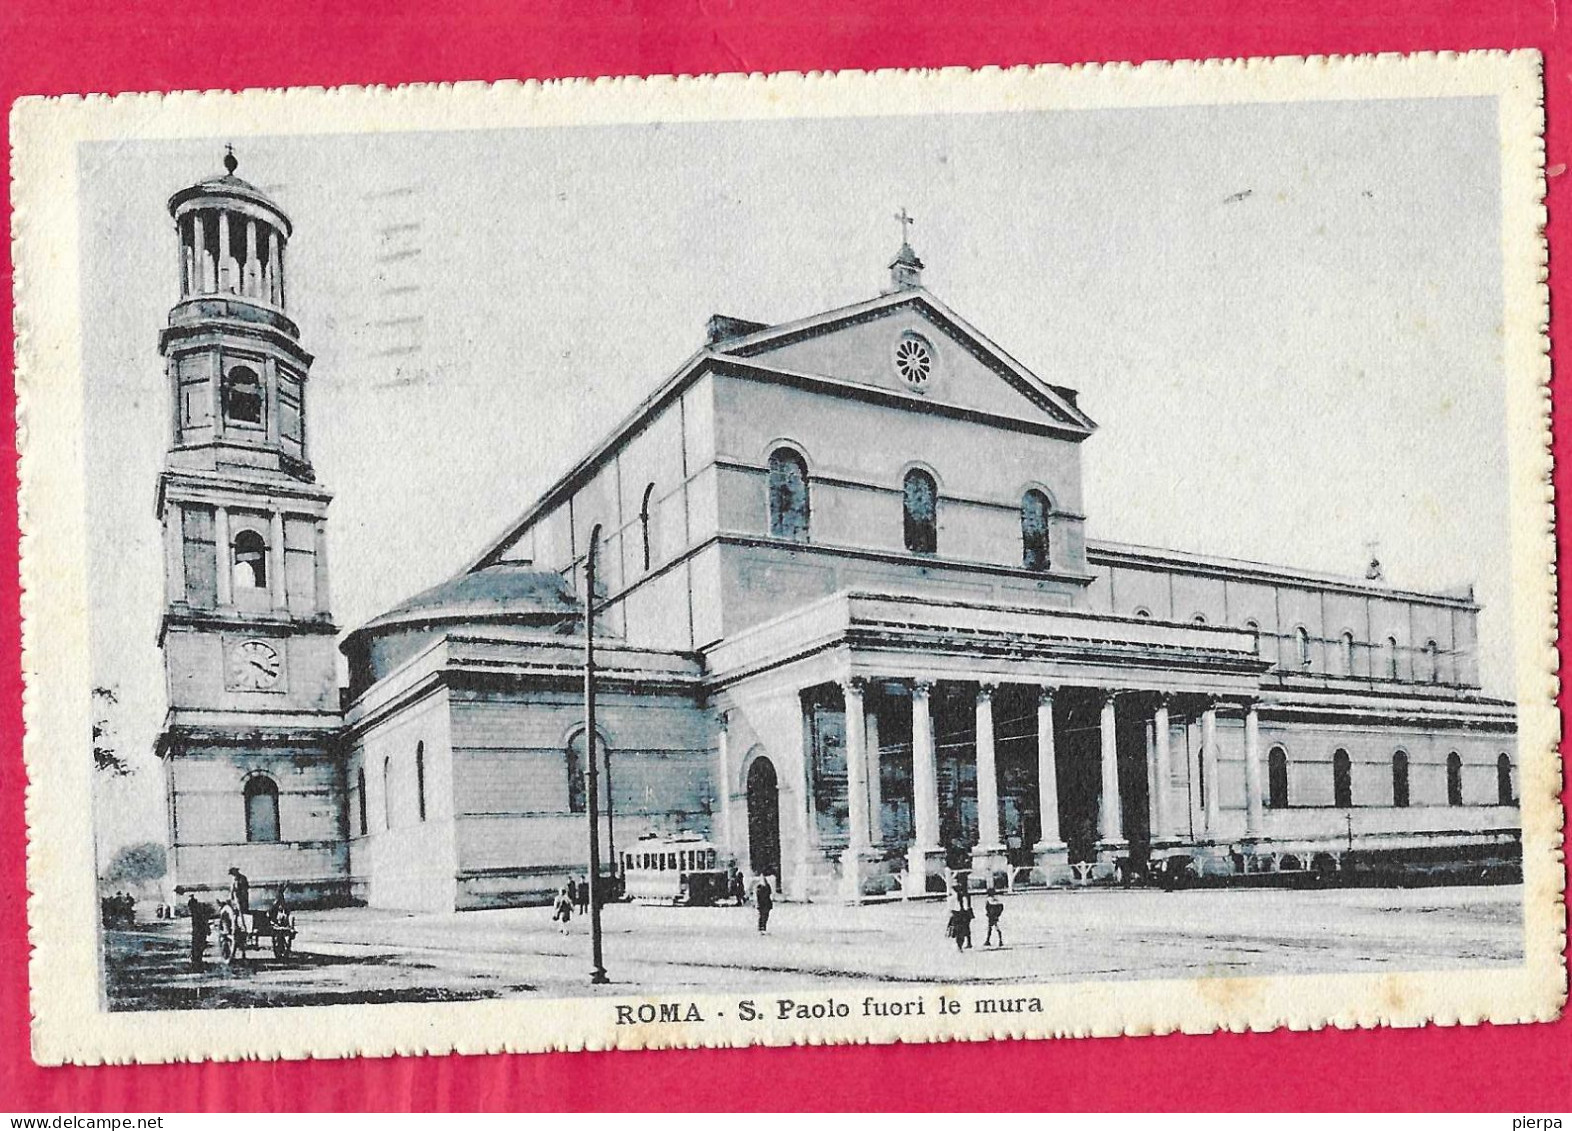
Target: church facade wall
520,836
855,443
770,727
402,855
671,458
1310,749
504,824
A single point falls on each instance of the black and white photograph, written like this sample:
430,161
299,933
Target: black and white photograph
897,566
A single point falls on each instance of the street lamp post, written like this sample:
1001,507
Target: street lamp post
598,971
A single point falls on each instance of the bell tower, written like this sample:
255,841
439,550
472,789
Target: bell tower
248,745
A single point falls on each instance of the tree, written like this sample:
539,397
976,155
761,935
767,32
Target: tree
137,864
105,757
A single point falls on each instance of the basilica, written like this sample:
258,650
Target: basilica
853,630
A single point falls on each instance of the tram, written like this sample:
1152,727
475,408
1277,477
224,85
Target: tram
681,869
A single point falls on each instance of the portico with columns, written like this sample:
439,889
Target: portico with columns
1036,747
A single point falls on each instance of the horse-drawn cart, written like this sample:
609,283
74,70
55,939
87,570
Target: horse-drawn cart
240,932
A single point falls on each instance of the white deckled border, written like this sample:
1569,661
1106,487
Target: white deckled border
69,1024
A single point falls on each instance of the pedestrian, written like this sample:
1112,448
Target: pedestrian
994,909
239,890
200,922
581,892
763,899
738,889
562,910
960,918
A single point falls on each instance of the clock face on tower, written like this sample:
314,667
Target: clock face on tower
253,665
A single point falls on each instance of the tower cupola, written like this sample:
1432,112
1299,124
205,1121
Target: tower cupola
236,366
232,243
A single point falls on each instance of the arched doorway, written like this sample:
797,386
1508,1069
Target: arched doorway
764,819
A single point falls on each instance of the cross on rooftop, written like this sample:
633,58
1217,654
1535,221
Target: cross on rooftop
906,221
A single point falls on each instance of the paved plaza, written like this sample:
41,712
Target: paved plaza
362,955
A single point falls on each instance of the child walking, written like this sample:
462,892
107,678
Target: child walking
994,908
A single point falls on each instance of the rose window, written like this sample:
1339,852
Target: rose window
914,361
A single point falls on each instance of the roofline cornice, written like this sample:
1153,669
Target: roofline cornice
1149,557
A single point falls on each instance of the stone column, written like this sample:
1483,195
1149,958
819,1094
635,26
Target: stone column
1161,806
855,858
204,282
1110,823
1049,850
275,277
251,275
924,858
988,854
175,554
216,392
875,786
222,264
275,565
1209,766
1254,825
270,407
182,234
723,798
323,603
226,566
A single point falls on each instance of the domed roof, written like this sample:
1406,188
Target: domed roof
227,184
510,591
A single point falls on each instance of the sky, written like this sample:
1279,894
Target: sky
1284,317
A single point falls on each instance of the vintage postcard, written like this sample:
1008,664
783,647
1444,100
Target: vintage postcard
862,557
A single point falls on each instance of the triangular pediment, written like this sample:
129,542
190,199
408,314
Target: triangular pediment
865,344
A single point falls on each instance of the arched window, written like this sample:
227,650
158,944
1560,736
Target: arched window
1302,646
250,564
1400,779
242,396
646,538
360,796
1277,778
1391,657
261,810
1432,661
1342,780
577,801
1035,509
387,793
1143,613
1199,618
922,512
1454,779
420,780
788,495
1345,646
1503,780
